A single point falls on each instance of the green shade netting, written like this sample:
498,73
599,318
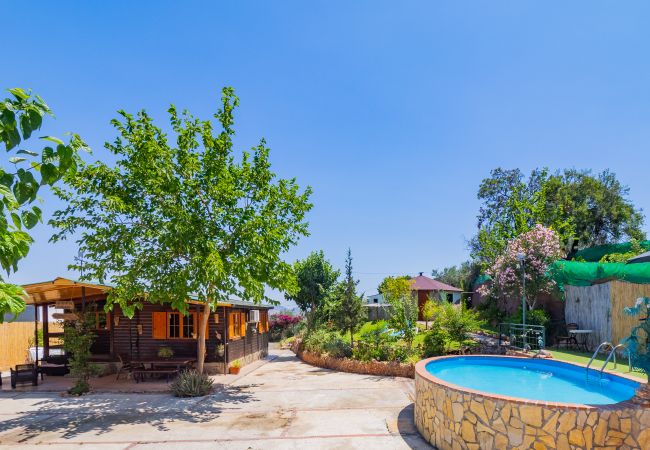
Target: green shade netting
575,273
594,254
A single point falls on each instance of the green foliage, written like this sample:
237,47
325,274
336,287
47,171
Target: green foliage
316,278
435,341
21,180
429,310
636,249
491,312
349,312
165,352
386,282
191,383
375,342
458,321
78,338
460,276
584,209
327,342
404,307
182,217
533,317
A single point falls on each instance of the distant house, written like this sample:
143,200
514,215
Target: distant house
426,287
423,287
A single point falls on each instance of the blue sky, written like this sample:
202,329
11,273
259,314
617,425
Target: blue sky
392,111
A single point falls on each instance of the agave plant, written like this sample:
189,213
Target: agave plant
191,383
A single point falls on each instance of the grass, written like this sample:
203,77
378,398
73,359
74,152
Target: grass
583,358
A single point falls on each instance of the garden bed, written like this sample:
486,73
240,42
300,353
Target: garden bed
392,369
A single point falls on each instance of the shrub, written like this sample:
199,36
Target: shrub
435,341
327,342
191,383
375,342
458,321
533,317
165,352
282,326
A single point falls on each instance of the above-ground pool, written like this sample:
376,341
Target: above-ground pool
534,379
500,402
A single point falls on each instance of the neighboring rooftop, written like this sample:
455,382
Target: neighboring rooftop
423,283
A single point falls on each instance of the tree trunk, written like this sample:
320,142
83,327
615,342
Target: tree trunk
203,332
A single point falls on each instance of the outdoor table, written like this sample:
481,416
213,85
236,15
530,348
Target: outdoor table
584,334
178,363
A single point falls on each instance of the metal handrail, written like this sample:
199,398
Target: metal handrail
613,352
594,356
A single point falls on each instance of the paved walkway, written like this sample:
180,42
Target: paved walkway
283,404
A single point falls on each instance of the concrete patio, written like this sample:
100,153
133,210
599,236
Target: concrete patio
280,403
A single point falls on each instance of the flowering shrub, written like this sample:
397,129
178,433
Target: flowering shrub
282,326
540,247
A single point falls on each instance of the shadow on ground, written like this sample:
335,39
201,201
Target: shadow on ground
100,414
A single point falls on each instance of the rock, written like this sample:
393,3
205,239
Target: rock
576,438
467,432
531,415
567,422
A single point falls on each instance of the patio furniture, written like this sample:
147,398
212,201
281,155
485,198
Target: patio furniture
569,339
24,373
165,366
169,372
54,365
126,365
584,336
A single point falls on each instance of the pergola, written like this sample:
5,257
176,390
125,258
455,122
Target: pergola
61,291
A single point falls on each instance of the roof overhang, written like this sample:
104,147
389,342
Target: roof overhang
60,289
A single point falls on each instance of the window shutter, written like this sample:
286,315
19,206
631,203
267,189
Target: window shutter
266,321
231,325
159,325
243,324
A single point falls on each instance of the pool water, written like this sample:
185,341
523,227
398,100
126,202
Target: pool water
533,379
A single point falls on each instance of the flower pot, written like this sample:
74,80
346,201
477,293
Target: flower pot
234,370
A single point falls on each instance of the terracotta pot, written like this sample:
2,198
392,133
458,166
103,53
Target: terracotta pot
234,370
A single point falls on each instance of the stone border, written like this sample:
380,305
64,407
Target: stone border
390,369
450,416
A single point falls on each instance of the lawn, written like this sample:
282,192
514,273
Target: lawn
583,358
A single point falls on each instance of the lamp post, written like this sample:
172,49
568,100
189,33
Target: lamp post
522,258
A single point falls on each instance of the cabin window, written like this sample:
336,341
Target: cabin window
236,325
173,325
101,321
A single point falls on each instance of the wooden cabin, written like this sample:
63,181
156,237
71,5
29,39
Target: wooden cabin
424,288
241,327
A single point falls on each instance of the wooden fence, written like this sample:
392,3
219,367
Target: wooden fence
15,340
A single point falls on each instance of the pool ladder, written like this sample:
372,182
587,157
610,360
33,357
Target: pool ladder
612,352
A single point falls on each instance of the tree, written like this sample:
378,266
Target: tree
429,311
404,307
350,311
316,278
183,218
540,247
78,338
583,209
21,181
386,281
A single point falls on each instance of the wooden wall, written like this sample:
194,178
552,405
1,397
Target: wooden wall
624,295
600,308
15,338
590,308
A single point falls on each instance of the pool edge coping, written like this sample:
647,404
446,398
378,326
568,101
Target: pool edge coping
420,370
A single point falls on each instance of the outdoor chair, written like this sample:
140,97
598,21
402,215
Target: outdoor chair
126,366
569,339
24,373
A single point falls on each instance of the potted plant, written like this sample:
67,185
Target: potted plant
165,352
234,367
221,350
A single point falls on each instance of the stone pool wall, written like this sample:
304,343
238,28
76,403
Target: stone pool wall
450,417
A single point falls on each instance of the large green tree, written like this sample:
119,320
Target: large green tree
316,279
584,209
21,178
184,216
349,313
